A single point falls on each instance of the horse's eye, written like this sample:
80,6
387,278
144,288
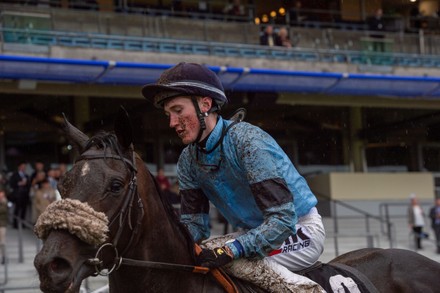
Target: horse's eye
116,186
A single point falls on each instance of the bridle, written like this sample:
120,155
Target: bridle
124,216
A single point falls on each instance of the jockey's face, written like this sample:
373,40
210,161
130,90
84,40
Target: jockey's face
183,117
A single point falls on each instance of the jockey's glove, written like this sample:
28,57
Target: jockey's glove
214,258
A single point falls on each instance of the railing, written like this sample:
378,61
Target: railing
3,285
90,40
389,232
28,225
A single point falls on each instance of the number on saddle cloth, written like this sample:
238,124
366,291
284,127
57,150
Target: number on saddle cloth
340,278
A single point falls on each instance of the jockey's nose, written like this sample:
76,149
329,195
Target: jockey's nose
174,121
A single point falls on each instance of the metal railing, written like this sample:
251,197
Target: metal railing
146,44
389,231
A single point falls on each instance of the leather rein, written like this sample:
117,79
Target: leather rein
125,216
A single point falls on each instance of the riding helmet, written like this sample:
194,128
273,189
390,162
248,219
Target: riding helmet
185,79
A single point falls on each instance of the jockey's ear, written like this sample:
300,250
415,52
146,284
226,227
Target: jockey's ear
205,104
123,129
74,135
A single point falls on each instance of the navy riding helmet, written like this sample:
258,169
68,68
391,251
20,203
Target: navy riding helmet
186,79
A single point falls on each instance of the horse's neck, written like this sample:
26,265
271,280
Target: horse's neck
162,239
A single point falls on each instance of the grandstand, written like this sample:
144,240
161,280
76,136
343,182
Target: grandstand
85,58
362,126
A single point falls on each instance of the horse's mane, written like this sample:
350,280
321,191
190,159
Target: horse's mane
108,140
173,215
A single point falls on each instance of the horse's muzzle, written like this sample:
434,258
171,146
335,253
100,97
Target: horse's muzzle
55,273
60,264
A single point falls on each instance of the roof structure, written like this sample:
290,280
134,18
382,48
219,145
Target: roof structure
233,78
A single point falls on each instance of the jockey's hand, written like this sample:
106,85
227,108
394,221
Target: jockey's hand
214,258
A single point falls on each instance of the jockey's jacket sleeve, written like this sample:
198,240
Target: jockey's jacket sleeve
194,210
255,187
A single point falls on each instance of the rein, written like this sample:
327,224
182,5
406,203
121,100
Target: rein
123,215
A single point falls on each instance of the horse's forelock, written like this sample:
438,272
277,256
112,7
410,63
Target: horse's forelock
103,140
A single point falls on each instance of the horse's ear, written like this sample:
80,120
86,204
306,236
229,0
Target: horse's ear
123,129
74,134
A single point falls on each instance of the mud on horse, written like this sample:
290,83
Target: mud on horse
112,220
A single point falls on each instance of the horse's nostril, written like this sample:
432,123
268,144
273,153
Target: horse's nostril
59,265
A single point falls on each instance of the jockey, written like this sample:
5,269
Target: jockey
241,170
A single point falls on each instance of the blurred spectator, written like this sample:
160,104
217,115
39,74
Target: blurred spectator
165,187
3,181
162,180
296,14
415,16
434,214
268,37
52,176
234,8
283,38
43,197
62,167
40,176
20,184
3,223
39,166
377,26
416,220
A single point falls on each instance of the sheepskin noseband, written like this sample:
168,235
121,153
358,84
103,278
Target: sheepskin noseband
77,217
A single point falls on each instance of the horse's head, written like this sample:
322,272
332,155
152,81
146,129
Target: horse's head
100,205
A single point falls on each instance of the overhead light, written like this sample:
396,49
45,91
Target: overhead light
264,18
257,20
273,14
282,11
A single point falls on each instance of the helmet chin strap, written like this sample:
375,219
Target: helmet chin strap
202,115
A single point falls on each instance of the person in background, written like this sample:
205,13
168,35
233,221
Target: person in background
162,180
20,184
62,167
283,38
165,187
44,197
296,14
416,220
235,8
376,24
241,170
3,224
268,37
434,214
52,176
36,185
39,167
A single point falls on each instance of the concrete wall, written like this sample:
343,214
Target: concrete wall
373,186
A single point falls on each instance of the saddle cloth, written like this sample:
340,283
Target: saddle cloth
339,278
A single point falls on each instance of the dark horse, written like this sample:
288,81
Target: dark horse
143,228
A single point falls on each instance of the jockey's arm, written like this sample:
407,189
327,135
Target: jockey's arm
195,213
278,225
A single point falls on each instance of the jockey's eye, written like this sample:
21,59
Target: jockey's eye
116,186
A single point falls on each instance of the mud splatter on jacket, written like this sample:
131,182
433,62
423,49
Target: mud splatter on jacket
250,180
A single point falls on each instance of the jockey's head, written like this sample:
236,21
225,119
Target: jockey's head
191,96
